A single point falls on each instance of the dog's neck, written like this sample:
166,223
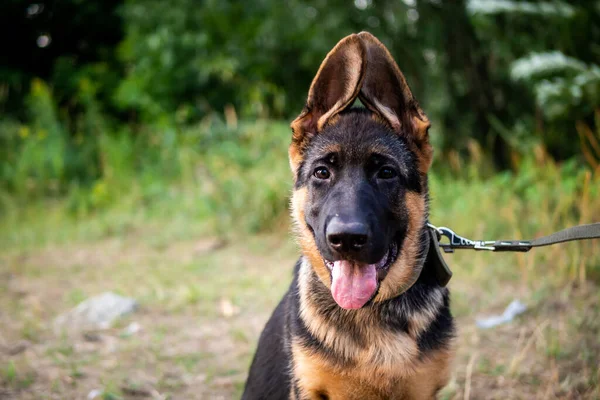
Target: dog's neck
423,295
406,320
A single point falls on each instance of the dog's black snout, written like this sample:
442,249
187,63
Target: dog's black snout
346,237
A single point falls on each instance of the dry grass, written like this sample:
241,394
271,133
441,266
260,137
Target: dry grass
205,302
203,305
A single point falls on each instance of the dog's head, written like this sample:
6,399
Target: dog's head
360,195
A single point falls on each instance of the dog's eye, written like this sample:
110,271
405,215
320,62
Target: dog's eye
322,173
386,173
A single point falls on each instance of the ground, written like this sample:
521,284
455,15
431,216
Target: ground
204,300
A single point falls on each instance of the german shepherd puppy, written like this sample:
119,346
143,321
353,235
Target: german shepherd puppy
365,316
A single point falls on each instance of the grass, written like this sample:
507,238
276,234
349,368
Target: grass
188,347
209,256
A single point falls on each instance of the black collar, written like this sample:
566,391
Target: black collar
435,260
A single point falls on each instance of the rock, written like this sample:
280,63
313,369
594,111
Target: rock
137,390
227,308
17,348
512,310
98,312
95,393
131,329
93,337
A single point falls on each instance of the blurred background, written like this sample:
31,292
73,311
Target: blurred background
143,152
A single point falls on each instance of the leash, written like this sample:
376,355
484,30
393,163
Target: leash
457,242
581,232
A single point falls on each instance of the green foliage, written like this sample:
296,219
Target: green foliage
36,161
247,170
43,157
12,377
196,48
192,58
564,87
539,46
139,125
57,42
231,180
489,71
559,9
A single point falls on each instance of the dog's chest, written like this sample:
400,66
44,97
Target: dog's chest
316,378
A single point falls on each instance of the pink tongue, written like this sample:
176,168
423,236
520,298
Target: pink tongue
353,284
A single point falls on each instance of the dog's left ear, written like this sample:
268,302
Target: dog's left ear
385,92
334,88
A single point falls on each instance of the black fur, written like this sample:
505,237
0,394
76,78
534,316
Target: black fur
440,332
358,136
270,377
354,151
361,205
368,132
270,373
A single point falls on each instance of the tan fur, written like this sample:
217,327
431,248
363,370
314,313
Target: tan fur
377,55
388,354
318,376
426,157
432,375
402,273
389,366
295,156
419,321
421,145
346,64
305,238
331,148
324,119
383,363
387,113
354,65
332,120
380,62
379,119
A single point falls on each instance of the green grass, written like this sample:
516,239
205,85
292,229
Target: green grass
12,377
216,232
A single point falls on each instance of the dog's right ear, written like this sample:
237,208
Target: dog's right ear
334,88
386,93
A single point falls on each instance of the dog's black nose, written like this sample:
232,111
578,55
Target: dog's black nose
344,237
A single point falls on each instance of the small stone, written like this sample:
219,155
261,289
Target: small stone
131,329
227,308
136,390
92,337
98,312
94,394
514,309
17,348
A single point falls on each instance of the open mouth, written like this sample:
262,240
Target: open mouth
354,284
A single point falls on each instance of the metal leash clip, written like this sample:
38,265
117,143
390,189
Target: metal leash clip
459,242
581,232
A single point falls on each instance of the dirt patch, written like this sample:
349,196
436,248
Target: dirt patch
203,305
